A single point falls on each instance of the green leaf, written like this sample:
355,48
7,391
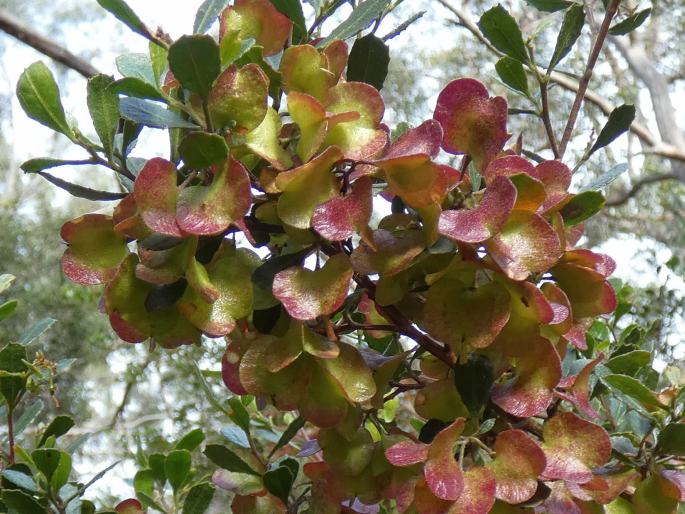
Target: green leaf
45,163
191,440
513,75
200,149
195,62
227,459
7,308
81,191
21,502
198,499
369,61
103,104
6,281
54,464
177,468
630,23
672,440
159,61
634,389
361,18
21,480
11,361
137,88
288,434
474,380
550,5
236,435
606,178
28,417
137,66
211,398
125,14
293,10
501,29
239,414
156,463
581,207
207,14
571,27
152,115
144,482
36,330
57,428
619,122
279,482
232,48
38,95
629,363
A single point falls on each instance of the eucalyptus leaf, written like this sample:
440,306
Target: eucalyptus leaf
618,123
513,75
630,23
207,14
571,27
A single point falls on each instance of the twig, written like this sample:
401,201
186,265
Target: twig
587,75
17,29
653,144
637,186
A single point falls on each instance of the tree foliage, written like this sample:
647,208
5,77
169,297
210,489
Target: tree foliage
469,299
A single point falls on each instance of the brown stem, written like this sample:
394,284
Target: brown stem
587,75
16,28
406,328
546,120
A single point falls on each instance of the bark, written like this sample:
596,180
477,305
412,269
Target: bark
16,28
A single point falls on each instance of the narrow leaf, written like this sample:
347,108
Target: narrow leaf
81,191
619,122
288,435
125,14
7,308
207,14
20,479
630,23
574,19
501,29
152,115
550,5
227,459
39,96
45,163
369,61
137,88
57,428
360,19
606,178
28,417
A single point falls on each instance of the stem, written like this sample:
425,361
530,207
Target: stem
10,432
544,97
587,75
208,117
405,327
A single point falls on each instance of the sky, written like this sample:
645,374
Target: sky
176,17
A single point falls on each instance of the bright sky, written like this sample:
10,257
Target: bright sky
176,17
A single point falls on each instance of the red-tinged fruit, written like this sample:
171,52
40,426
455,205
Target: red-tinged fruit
574,447
478,495
307,294
155,193
518,463
487,219
95,250
442,472
340,217
257,19
472,121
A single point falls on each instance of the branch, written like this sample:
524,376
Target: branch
16,28
653,144
587,75
406,328
128,389
637,186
